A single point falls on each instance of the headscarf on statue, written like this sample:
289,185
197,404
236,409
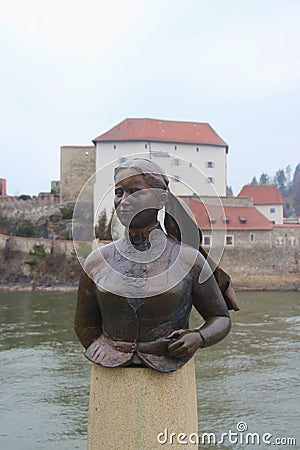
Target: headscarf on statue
178,222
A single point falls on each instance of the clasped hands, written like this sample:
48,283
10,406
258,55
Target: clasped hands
187,342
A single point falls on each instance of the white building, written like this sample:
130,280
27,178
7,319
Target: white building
191,153
267,199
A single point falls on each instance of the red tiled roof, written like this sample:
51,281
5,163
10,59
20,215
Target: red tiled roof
162,131
236,217
262,194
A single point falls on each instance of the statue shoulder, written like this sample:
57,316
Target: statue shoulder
193,258
98,257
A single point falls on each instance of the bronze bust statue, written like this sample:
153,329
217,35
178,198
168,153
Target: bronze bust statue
135,295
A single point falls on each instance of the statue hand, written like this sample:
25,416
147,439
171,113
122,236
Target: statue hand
187,343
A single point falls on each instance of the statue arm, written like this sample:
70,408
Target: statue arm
209,302
88,321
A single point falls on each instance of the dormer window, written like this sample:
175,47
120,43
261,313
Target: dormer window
210,164
212,220
226,220
243,219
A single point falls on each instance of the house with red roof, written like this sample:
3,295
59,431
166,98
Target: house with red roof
192,153
236,222
230,222
267,199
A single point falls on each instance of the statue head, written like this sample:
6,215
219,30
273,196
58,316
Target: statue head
141,189
152,184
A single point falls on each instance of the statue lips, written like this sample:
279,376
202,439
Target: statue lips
126,214
126,211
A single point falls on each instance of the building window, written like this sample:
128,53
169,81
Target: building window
252,237
272,210
160,154
175,162
206,241
279,240
197,149
210,164
122,159
212,220
176,178
115,146
229,241
190,164
210,180
175,147
146,145
292,240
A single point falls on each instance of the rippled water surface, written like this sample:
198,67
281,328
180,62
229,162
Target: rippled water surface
253,376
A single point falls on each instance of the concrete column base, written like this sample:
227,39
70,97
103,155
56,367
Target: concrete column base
129,407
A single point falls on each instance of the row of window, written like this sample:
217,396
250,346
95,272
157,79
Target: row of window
146,146
176,178
176,161
209,180
229,240
196,148
208,164
291,240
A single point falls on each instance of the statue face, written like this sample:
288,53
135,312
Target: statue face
135,202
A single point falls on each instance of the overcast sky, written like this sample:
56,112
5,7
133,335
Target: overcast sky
71,70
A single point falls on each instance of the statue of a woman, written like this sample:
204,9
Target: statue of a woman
135,295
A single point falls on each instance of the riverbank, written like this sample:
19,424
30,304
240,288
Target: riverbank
20,288
45,265
254,286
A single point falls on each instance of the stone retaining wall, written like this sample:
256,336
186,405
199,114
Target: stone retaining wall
32,209
268,268
263,268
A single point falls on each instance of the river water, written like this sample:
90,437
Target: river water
251,377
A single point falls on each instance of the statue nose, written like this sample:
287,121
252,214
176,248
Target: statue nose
126,200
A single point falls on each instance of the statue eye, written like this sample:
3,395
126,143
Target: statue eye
118,192
135,191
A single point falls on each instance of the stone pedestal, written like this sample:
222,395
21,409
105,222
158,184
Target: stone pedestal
139,408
